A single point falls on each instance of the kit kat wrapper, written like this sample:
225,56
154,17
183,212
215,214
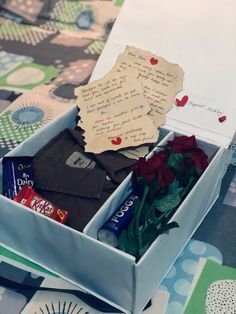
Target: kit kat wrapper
28,197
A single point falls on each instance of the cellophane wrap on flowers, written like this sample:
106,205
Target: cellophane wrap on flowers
161,182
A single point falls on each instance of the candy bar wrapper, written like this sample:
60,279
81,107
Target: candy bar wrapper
32,200
17,171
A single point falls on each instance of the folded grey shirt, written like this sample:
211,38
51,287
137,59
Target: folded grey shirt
76,181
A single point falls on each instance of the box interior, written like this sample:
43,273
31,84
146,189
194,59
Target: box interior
125,189
80,257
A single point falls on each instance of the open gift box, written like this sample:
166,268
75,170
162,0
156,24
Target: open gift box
109,273
104,271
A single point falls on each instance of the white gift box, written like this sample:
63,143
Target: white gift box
102,270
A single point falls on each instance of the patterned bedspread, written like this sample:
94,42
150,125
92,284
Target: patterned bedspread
46,49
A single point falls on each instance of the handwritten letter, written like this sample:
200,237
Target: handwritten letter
161,80
113,113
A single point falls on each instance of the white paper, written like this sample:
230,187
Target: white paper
200,36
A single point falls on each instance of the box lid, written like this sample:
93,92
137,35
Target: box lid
200,37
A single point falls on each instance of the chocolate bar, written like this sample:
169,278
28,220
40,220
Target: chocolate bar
28,197
17,171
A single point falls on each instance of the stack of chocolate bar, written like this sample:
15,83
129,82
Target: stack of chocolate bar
18,182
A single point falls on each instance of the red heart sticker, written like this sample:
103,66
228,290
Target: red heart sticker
153,61
181,102
222,118
116,141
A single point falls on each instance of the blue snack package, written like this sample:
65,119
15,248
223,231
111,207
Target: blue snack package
112,228
17,171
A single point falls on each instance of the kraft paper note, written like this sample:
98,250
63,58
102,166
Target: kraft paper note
113,113
161,80
125,108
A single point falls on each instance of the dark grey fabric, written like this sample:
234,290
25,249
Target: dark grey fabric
77,181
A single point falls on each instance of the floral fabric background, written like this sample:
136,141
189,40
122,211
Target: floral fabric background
46,49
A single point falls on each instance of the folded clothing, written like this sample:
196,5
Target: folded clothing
76,181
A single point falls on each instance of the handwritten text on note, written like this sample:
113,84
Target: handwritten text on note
161,80
113,113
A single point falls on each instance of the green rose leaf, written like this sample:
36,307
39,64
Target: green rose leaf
149,234
122,241
143,249
175,161
131,230
136,205
174,187
153,187
152,232
168,202
188,187
168,227
131,247
127,242
144,213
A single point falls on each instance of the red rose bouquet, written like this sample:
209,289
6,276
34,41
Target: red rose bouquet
162,182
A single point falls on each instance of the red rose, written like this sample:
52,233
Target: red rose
183,144
156,164
144,168
199,159
159,159
166,177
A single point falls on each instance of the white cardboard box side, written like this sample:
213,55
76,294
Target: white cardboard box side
150,270
73,255
164,251
82,259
